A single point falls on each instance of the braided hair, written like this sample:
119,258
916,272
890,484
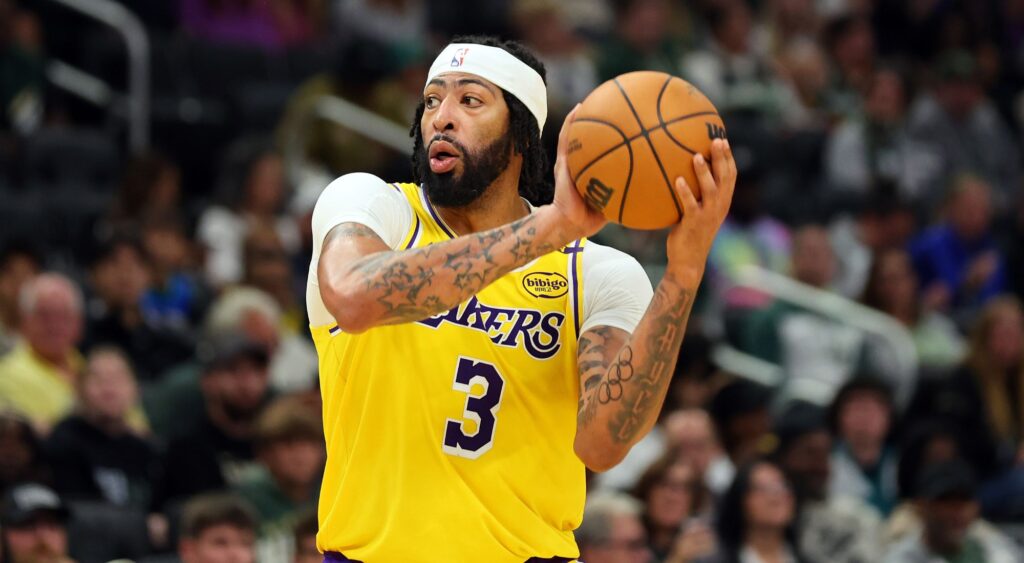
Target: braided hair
522,126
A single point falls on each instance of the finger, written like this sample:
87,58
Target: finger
719,161
702,169
731,175
686,197
563,135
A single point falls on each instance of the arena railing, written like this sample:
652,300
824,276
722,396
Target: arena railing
885,330
131,29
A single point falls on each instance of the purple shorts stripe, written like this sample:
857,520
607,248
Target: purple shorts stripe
331,557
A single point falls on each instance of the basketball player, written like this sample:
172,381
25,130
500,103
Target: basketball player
477,352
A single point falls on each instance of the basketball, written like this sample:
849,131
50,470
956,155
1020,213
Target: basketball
632,137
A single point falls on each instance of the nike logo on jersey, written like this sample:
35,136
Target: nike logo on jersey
538,333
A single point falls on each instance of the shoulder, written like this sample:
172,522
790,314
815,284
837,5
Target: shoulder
616,289
600,261
366,199
354,184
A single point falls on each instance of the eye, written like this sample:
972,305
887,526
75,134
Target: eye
431,102
471,101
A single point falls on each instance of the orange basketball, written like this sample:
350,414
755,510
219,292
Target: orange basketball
632,137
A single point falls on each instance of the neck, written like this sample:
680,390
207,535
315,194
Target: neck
499,205
110,426
296,492
663,538
238,429
767,542
866,455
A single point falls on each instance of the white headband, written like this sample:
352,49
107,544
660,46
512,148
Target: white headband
499,67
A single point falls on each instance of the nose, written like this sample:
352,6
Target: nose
444,116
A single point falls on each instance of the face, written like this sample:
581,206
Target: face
258,328
265,187
220,544
54,326
645,23
168,248
1006,338
294,462
807,461
121,278
108,390
947,521
971,210
167,189
746,432
897,283
466,145
769,502
864,419
627,544
670,500
885,100
691,433
238,389
959,97
813,259
306,551
43,540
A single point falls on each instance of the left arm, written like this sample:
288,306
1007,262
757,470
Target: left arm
624,378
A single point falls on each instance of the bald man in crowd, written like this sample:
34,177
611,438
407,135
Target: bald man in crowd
37,377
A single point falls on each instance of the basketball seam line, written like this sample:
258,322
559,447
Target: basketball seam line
657,108
646,134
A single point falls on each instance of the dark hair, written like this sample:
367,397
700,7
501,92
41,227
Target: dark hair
731,523
914,448
306,525
656,472
215,509
36,469
861,383
137,181
287,420
23,248
106,249
737,398
522,126
237,167
872,296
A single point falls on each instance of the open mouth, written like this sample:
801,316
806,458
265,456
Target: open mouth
443,157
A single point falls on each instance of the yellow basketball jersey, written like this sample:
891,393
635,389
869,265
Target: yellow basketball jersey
451,439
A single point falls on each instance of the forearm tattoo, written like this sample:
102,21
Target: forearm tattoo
628,391
415,284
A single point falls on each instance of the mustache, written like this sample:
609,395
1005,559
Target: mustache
442,137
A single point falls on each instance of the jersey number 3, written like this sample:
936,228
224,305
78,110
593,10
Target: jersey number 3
480,408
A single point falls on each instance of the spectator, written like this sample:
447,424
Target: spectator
863,462
22,68
21,453
611,531
177,296
254,193
642,40
34,524
958,262
851,48
691,433
218,528
150,186
831,527
120,278
290,446
949,513
19,263
305,539
963,132
96,453
742,419
268,269
37,378
757,516
804,65
219,451
893,289
273,25
671,492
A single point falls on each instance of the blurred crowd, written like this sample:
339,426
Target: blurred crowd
159,397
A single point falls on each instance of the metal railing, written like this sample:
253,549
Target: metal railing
124,22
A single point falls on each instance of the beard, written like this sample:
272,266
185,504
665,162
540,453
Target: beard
479,170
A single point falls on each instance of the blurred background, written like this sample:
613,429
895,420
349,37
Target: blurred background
852,387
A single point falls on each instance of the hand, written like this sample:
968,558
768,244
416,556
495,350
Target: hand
579,219
695,542
981,270
690,240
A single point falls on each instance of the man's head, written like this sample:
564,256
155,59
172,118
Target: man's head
235,379
970,207
959,90
50,306
34,525
813,261
248,311
946,497
691,433
861,416
611,531
218,528
290,443
120,273
742,419
305,539
483,110
804,447
107,389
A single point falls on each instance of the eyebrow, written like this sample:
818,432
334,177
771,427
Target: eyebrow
462,82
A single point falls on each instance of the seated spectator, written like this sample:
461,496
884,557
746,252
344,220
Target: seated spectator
611,531
289,443
985,395
218,450
21,453
804,64
97,453
958,262
305,539
19,263
268,269
177,296
740,411
817,353
272,25
757,517
253,192
951,529
671,492
830,527
850,45
642,40
691,433
150,186
863,462
893,289
957,114
34,523
37,378
120,277
217,528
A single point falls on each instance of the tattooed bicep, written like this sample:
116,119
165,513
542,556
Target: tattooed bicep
350,231
596,349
